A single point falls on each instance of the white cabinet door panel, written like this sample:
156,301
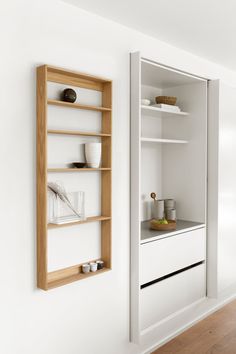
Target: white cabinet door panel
170,254
164,298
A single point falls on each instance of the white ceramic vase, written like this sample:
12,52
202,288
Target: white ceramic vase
93,154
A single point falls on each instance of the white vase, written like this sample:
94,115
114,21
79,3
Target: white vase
93,154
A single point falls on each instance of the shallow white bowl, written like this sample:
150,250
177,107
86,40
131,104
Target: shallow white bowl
145,101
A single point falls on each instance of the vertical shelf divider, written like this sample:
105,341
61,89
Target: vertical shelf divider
42,177
106,202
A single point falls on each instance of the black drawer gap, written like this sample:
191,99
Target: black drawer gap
170,275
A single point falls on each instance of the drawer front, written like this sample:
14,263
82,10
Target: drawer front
168,296
162,257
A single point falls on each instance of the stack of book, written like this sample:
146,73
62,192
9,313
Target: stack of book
167,107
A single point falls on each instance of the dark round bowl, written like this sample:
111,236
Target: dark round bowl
78,164
69,95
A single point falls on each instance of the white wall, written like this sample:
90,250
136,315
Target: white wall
227,187
91,316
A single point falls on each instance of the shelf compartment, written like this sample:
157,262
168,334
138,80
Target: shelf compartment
74,169
69,275
88,220
68,77
156,111
74,132
78,106
160,140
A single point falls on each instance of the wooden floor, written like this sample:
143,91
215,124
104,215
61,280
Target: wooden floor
215,334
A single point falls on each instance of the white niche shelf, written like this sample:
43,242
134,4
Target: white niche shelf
151,110
160,140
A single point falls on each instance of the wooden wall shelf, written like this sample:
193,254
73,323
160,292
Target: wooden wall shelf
59,281
89,219
74,169
79,106
45,279
73,132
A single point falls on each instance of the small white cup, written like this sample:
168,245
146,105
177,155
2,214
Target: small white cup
93,266
85,268
93,154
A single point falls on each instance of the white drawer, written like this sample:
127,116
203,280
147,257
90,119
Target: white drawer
170,295
162,257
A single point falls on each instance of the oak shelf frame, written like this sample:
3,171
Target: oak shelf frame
78,106
74,132
45,73
75,169
69,275
89,219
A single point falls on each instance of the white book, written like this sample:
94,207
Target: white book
167,107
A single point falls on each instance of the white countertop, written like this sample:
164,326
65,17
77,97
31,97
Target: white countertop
148,235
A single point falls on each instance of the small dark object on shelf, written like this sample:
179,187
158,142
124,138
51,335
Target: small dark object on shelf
79,164
69,95
100,265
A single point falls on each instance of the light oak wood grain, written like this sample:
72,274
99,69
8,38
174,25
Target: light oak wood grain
89,219
106,227
78,106
75,169
72,73
67,279
67,272
214,335
75,79
74,132
42,177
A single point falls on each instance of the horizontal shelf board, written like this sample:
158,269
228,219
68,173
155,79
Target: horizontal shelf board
74,169
171,141
78,106
71,73
74,132
148,235
157,110
89,219
68,77
70,279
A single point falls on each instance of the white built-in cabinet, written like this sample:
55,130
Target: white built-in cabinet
169,157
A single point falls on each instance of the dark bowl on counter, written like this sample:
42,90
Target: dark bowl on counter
78,164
